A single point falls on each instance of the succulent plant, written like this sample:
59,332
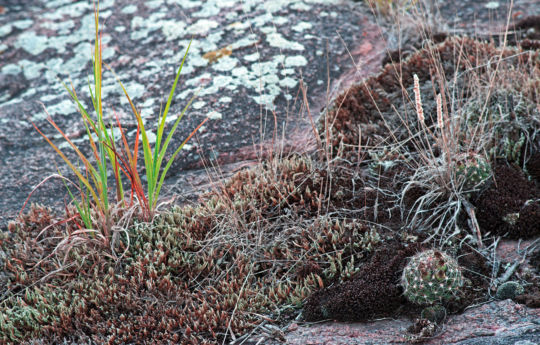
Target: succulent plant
508,290
472,169
511,218
512,148
435,313
431,277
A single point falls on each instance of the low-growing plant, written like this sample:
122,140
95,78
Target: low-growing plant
472,170
431,277
93,180
509,289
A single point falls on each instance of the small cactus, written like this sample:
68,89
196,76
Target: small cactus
508,290
473,169
431,277
435,313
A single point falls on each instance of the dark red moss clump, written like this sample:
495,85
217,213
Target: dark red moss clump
477,271
195,274
375,291
510,206
527,23
533,166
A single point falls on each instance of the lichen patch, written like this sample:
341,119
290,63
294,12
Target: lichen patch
278,41
31,42
214,115
201,27
301,26
295,61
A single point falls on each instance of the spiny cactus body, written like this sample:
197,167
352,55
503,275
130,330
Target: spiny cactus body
473,169
431,277
509,289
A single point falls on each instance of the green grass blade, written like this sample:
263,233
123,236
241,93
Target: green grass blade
147,151
173,129
161,125
81,210
97,62
169,163
116,164
161,154
103,177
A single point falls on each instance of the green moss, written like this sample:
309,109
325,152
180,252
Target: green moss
252,247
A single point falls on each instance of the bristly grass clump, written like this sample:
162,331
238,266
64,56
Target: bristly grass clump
419,116
391,7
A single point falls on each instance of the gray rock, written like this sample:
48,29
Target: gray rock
527,338
246,61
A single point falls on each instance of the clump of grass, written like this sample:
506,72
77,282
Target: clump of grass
419,142
390,7
95,205
486,138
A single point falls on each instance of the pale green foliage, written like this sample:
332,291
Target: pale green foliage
509,116
28,314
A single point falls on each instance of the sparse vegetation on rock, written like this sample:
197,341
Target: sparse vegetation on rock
433,156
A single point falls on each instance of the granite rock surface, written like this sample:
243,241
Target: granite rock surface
246,62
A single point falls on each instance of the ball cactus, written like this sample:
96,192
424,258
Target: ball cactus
509,289
472,169
431,277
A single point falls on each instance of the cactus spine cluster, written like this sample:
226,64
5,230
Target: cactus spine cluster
473,169
431,277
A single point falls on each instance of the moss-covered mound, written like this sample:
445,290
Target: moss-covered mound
422,163
510,206
382,109
375,292
259,245
429,143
